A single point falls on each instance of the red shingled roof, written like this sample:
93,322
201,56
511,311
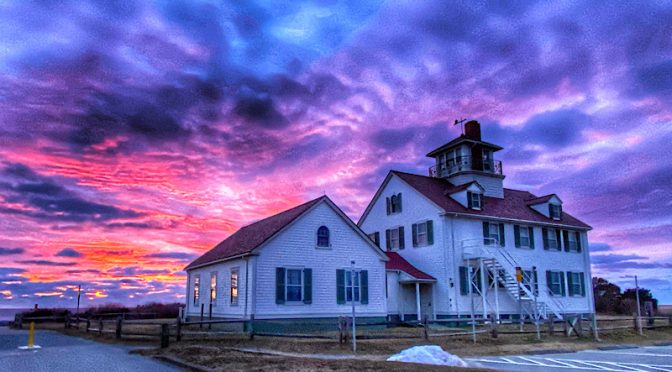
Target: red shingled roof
397,262
251,236
514,205
541,199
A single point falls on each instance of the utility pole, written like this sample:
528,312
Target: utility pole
352,294
536,307
79,294
639,312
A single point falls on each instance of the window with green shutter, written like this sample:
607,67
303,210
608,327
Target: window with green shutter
423,233
464,281
576,284
493,234
555,283
340,286
279,285
307,286
551,239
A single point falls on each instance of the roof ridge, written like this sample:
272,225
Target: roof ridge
281,212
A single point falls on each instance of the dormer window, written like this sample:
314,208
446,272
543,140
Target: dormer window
555,211
323,237
394,204
475,200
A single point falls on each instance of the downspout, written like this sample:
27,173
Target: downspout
186,301
444,223
455,285
247,262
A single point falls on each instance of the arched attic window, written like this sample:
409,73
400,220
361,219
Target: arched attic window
323,236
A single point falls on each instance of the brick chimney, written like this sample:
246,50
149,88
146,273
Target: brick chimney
472,130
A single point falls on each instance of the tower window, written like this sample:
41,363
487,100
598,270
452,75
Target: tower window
323,236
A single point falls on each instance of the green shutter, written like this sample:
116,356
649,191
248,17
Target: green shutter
364,290
516,235
430,232
557,236
376,238
279,285
531,234
549,282
464,281
565,240
502,240
544,235
340,286
486,233
399,202
387,202
578,241
401,237
388,244
470,200
583,284
307,286
570,283
562,284
414,229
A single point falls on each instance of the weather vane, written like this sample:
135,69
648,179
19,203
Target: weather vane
461,122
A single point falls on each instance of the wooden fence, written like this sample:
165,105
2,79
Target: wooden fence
177,329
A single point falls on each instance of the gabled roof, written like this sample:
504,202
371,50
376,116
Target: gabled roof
513,206
397,262
459,140
462,187
251,236
541,199
248,238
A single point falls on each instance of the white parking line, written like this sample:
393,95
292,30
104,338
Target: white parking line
594,364
534,361
657,367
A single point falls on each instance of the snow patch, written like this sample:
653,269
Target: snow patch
428,354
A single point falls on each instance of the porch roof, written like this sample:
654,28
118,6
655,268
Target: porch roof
397,262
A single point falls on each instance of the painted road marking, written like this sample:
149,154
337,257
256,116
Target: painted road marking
625,353
592,365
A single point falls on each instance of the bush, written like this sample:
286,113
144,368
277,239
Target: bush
45,312
160,310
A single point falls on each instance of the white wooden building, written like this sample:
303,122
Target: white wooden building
293,265
459,225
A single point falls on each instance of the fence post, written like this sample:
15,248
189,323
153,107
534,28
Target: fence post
210,316
165,336
493,327
551,324
88,324
178,336
67,321
425,326
565,325
118,330
634,321
579,327
202,311
340,329
100,326
252,327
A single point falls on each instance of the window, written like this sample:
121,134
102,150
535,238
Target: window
423,233
530,277
394,204
474,200
524,236
555,211
493,234
572,241
487,160
294,284
555,282
213,288
352,286
375,237
197,289
234,287
323,237
575,284
395,238
551,239
476,286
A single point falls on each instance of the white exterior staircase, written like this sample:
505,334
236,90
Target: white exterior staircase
501,266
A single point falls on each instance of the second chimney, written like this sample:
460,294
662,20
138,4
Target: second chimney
472,130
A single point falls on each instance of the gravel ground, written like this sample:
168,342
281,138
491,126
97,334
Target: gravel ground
65,353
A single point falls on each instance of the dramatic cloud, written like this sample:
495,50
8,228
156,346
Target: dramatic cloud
137,133
69,252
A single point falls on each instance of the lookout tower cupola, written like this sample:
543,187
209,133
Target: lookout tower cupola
467,158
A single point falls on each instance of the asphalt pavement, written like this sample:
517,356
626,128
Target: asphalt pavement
624,358
59,352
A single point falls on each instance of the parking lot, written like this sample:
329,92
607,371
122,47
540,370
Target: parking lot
640,359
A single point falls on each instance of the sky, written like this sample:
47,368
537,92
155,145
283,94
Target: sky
134,136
